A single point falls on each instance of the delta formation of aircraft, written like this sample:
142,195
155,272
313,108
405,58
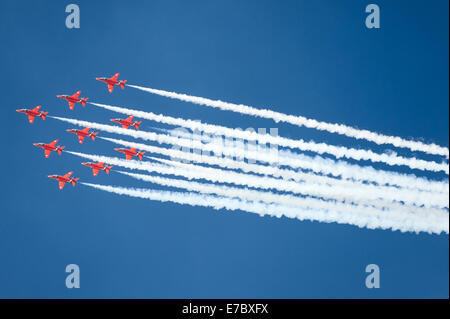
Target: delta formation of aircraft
72,99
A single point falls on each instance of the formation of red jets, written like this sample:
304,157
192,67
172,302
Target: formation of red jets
72,99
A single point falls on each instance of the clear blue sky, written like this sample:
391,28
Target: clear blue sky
312,58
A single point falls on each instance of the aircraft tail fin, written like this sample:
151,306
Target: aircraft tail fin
59,150
122,84
93,135
74,181
83,101
43,115
107,168
137,123
140,154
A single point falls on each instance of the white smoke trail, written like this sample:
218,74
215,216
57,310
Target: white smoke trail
286,174
286,200
303,121
345,194
284,158
430,225
220,176
320,148
326,166
364,190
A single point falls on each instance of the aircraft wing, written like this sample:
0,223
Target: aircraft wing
53,143
128,156
31,118
68,175
47,153
37,108
80,138
95,171
129,118
86,129
76,95
125,126
110,88
71,105
115,76
61,184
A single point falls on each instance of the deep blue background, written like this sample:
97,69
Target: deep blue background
312,58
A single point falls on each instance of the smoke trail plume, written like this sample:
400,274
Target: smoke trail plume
430,226
220,176
286,200
303,121
364,190
320,148
283,158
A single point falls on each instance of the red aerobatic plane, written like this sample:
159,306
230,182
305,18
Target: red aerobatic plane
127,122
96,167
83,133
48,148
33,113
113,81
72,99
62,180
130,152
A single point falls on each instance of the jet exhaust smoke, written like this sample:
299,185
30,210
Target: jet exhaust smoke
303,121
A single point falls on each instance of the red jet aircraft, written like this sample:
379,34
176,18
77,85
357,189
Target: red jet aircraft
96,167
127,122
33,113
72,99
48,148
113,81
83,133
130,152
62,180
